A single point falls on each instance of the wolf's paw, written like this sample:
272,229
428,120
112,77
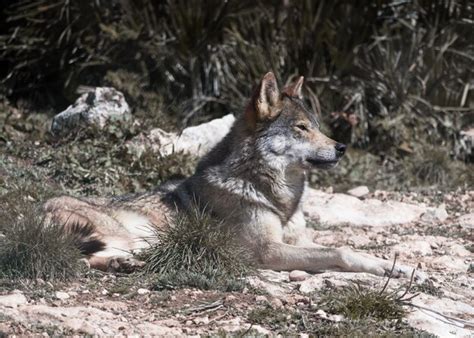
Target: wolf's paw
124,264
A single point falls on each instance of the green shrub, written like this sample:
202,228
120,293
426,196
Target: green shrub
30,248
198,251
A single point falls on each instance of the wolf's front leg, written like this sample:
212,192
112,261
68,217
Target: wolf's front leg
280,256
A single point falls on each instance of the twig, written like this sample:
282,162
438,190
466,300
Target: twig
390,274
409,285
449,318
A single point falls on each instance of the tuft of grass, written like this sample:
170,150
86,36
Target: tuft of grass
32,248
284,321
196,250
279,319
356,302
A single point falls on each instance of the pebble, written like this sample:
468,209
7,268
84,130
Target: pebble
298,276
61,295
359,191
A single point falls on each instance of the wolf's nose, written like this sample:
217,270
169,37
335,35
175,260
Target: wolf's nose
340,148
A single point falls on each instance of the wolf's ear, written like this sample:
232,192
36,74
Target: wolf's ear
264,101
294,89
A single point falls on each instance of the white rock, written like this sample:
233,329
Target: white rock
298,276
143,291
359,191
336,209
201,320
429,319
453,264
433,215
276,303
417,248
61,295
13,300
94,108
196,140
359,240
458,250
466,221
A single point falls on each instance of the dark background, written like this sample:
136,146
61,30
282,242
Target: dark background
391,78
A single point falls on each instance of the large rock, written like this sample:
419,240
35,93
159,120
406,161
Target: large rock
94,108
196,140
337,209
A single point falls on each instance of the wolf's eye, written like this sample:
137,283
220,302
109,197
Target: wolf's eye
302,127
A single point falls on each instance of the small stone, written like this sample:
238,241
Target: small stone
276,303
466,221
61,295
143,291
433,215
201,320
230,298
13,300
359,191
298,276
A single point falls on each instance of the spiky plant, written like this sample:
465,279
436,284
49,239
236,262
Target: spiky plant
31,248
197,250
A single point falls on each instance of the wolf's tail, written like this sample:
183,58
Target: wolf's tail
64,212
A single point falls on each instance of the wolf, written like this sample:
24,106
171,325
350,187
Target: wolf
253,180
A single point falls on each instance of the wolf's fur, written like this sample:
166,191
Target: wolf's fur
253,180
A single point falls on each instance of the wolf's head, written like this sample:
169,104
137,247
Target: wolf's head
285,130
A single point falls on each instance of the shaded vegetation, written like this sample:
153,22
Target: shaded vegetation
392,78
90,162
357,302
283,321
196,250
31,247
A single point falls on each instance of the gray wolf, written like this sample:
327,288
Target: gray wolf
253,180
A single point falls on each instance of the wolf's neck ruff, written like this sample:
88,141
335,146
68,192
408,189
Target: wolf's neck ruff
242,165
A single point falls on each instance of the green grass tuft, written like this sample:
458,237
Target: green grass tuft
196,250
29,248
356,302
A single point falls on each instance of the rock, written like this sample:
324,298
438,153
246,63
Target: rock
276,303
458,250
143,291
201,320
273,289
466,221
410,248
451,263
428,317
433,215
196,140
94,108
359,191
61,295
298,276
336,209
13,300
359,240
